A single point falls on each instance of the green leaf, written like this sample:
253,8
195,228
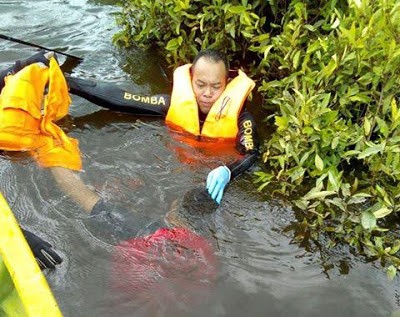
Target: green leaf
296,173
296,58
391,272
351,153
308,130
335,24
261,38
383,194
267,49
321,194
366,79
356,200
315,46
352,33
383,212
237,9
282,123
368,220
361,97
345,189
301,203
372,150
337,202
319,163
395,247
334,180
309,27
329,69
367,126
262,186
335,142
395,111
305,157
325,103
383,127
360,194
172,44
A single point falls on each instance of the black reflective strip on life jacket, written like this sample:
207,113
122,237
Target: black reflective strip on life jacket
112,97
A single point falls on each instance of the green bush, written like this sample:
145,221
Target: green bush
328,73
334,95
180,28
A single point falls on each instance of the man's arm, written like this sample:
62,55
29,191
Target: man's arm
246,144
106,220
112,97
71,184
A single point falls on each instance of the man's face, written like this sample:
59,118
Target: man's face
208,82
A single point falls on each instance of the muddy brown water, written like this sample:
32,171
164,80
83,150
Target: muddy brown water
134,161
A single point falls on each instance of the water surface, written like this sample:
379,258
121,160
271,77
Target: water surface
135,162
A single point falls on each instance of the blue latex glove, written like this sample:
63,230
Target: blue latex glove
217,180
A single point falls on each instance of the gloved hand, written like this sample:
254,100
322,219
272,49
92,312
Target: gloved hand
46,257
217,180
42,57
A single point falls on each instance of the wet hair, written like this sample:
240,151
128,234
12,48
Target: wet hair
193,211
214,56
197,201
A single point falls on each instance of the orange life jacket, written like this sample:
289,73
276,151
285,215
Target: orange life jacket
27,126
222,120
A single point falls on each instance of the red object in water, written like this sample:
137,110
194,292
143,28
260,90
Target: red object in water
167,267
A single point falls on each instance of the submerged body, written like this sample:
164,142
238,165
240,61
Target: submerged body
163,262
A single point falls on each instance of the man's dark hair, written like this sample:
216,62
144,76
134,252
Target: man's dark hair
197,201
214,56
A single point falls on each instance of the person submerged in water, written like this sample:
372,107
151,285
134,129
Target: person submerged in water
157,264
207,102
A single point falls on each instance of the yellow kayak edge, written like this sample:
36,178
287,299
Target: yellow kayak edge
29,282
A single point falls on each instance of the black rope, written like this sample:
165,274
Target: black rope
9,38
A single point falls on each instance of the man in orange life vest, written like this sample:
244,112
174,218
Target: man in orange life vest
206,102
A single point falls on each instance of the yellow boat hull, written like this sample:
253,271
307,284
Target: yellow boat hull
23,288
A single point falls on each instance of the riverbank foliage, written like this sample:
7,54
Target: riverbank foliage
329,74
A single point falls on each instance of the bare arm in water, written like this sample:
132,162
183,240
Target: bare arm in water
71,183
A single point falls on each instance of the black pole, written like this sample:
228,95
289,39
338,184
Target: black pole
9,38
